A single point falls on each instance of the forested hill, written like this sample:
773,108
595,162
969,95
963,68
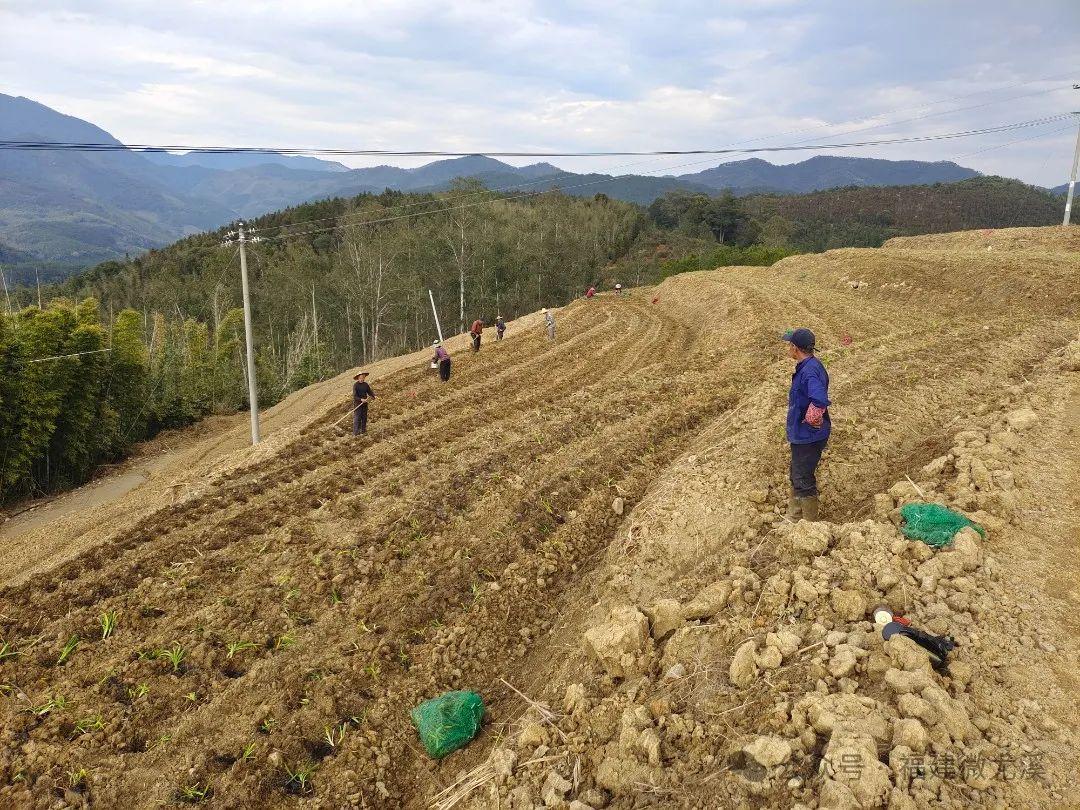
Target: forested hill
159,338
866,217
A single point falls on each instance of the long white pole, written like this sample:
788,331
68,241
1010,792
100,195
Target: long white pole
253,394
435,312
1072,177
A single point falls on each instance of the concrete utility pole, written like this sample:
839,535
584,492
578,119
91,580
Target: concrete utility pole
435,312
253,394
1072,177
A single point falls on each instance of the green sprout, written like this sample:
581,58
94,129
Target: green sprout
284,642
68,649
334,735
56,702
195,793
88,724
7,650
373,670
108,623
136,692
300,778
77,777
335,597
249,751
239,646
267,725
174,656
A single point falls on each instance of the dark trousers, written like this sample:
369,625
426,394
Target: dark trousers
476,343
359,420
499,334
444,370
804,461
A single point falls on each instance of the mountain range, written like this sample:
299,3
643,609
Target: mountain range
65,210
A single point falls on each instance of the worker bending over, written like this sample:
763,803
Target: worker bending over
442,361
808,423
475,331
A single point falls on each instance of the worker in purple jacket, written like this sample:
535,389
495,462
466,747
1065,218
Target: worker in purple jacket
808,423
442,360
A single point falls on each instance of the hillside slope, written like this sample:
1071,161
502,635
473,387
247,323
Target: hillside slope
548,489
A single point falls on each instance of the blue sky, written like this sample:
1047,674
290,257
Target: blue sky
560,75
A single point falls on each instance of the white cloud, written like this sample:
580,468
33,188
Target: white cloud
518,74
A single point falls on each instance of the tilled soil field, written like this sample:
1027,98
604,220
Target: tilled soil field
590,535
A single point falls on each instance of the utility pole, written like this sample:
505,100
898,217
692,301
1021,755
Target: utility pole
37,278
253,394
435,312
1072,176
7,296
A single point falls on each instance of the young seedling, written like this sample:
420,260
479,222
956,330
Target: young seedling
334,735
249,751
56,702
192,696
195,793
77,777
335,597
239,646
267,725
136,692
68,649
88,724
108,623
7,650
284,642
373,670
174,656
300,777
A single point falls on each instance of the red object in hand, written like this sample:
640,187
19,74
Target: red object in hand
903,620
815,416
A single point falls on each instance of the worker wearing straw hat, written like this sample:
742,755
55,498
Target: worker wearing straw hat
362,395
549,321
500,327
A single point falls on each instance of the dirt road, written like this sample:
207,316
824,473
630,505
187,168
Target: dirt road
296,600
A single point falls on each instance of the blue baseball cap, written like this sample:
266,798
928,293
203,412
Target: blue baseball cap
801,338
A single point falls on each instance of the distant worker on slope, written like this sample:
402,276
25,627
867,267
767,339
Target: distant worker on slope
361,396
618,289
441,360
808,423
549,321
500,327
591,292
475,331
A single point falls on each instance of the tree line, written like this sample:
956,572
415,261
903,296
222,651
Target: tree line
77,391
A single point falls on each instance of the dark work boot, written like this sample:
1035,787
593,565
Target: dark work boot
810,508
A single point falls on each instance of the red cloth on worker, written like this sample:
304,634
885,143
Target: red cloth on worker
477,327
591,292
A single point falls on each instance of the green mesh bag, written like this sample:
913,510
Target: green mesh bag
448,722
935,525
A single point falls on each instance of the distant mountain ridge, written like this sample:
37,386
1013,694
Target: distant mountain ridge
67,210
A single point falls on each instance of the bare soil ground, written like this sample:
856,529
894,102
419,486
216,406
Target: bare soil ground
590,534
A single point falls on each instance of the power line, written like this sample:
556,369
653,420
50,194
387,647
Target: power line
75,146
911,139
552,178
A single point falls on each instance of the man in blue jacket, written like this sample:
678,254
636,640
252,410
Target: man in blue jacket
808,423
